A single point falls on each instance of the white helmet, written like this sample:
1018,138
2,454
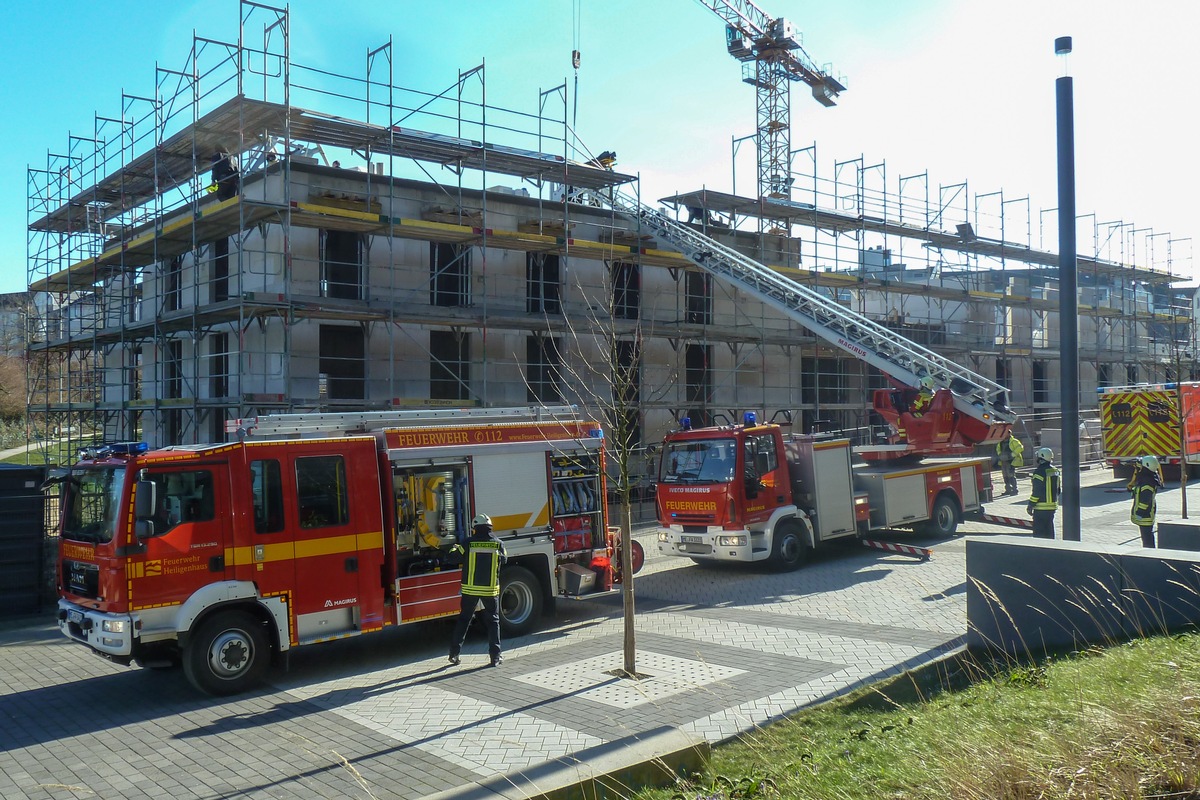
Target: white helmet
1149,462
481,520
928,383
1045,454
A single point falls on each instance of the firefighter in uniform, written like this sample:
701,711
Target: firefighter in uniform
1144,487
1043,499
482,558
920,403
1009,456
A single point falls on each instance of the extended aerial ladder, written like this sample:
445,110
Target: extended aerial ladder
350,422
967,409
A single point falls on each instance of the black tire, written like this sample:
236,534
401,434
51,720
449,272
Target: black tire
787,548
227,654
520,601
944,520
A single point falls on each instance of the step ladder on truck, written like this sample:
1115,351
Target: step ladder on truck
222,558
748,492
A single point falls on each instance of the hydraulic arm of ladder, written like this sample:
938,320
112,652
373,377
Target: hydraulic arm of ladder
905,361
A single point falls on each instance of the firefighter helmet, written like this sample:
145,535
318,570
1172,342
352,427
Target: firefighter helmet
928,383
481,520
1149,462
1045,454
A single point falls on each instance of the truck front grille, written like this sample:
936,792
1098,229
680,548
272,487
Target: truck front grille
81,578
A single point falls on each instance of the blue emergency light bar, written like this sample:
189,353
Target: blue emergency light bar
109,449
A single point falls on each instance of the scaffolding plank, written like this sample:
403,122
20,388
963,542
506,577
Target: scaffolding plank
811,216
179,158
177,234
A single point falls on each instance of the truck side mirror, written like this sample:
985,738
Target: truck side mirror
146,500
143,528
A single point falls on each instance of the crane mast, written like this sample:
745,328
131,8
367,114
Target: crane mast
773,44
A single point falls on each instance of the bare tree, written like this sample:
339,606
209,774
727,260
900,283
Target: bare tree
12,388
605,327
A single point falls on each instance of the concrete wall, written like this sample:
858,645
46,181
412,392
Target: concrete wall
1033,596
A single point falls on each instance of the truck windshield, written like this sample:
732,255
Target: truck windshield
91,497
699,461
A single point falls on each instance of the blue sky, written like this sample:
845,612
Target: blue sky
963,90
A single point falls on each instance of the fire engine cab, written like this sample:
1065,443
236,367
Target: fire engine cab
223,557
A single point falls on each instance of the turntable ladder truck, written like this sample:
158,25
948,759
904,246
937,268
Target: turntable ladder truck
749,492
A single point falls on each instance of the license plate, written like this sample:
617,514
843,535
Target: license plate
75,616
691,539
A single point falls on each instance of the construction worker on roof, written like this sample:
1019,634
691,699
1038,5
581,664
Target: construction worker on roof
482,558
1144,487
1009,456
1043,499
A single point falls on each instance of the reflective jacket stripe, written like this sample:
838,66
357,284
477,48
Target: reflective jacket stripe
1045,488
481,570
1143,509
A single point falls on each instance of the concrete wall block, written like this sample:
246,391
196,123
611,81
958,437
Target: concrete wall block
1162,590
1028,597
1031,596
1179,535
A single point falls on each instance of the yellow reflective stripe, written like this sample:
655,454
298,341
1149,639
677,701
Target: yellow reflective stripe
286,551
536,518
476,551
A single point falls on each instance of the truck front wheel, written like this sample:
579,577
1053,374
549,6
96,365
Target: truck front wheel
520,601
787,549
227,654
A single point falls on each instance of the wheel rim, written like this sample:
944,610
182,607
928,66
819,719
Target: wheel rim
516,603
789,548
945,518
231,654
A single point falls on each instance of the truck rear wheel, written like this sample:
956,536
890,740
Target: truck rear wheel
944,520
787,549
227,654
520,601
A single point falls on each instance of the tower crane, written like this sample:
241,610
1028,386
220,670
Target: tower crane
774,45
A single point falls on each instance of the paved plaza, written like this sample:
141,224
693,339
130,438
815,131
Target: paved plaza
384,716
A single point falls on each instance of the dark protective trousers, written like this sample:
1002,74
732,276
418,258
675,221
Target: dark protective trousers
1147,532
1043,524
490,616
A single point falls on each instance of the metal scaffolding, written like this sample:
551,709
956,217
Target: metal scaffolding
263,236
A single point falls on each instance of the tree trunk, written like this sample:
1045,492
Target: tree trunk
627,583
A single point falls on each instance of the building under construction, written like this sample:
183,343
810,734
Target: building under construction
264,237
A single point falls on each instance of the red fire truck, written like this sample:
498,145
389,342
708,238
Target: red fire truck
223,557
747,493
751,492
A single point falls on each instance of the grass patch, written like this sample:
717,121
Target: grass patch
59,453
1117,723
